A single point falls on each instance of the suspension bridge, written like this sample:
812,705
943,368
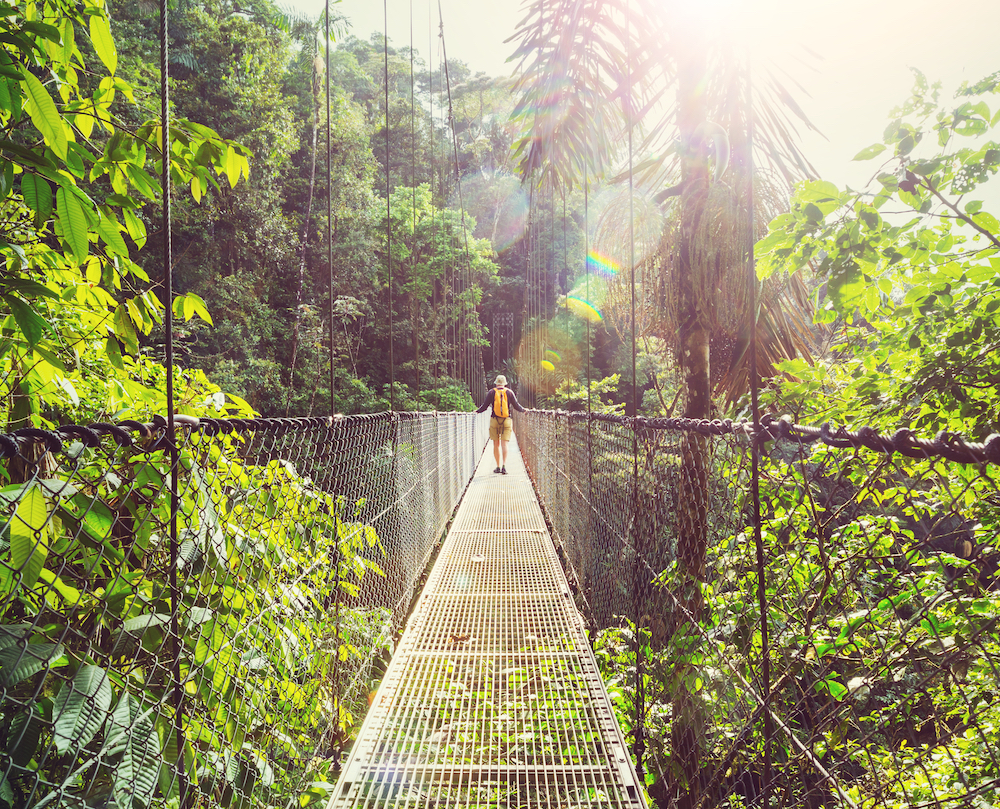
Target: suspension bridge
493,696
358,612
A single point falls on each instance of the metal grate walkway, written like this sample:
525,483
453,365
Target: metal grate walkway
493,696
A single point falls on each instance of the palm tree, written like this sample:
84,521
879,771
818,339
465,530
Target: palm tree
598,76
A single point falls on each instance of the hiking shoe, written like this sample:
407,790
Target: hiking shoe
503,470
496,471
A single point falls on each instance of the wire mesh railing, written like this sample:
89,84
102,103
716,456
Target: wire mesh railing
868,679
224,660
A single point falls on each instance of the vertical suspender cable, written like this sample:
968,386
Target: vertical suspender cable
765,668
524,350
337,696
329,206
413,171
640,709
329,210
464,332
388,211
565,260
551,257
168,327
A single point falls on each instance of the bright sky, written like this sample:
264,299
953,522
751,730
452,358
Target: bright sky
865,48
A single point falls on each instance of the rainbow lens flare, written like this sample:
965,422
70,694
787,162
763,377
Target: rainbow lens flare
602,265
552,356
584,309
547,366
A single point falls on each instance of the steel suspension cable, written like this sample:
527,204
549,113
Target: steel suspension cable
177,686
329,209
337,693
640,709
565,260
388,212
765,669
525,347
413,170
466,305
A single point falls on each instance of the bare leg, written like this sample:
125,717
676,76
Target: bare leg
505,443
496,451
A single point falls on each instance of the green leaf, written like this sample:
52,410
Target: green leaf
167,735
122,719
125,329
44,114
12,633
31,324
133,630
988,221
19,662
136,228
22,738
232,166
29,535
870,152
29,288
114,352
73,219
70,595
138,772
44,30
104,43
110,232
833,687
81,708
873,300
189,305
135,777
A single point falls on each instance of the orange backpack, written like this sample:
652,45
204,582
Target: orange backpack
500,409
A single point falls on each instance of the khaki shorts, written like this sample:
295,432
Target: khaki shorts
501,429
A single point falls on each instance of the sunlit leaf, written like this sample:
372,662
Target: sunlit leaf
37,195
29,535
73,219
868,153
104,43
44,114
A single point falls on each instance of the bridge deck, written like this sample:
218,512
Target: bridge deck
493,696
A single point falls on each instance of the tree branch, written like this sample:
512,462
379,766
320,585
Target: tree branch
926,183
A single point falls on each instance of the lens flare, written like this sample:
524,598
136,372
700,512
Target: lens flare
501,207
552,356
584,309
602,265
547,366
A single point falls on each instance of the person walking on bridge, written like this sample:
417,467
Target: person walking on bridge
502,400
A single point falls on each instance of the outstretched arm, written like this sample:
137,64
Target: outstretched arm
513,401
486,403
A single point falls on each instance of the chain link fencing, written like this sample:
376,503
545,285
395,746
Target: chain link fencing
839,650
214,645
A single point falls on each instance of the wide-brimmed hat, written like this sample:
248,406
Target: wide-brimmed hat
501,381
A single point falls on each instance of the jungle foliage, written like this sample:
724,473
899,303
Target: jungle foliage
905,307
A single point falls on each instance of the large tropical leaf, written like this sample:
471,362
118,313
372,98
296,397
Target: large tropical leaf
132,631
44,114
80,708
22,738
136,776
19,662
29,535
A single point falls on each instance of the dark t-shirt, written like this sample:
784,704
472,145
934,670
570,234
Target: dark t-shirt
512,402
